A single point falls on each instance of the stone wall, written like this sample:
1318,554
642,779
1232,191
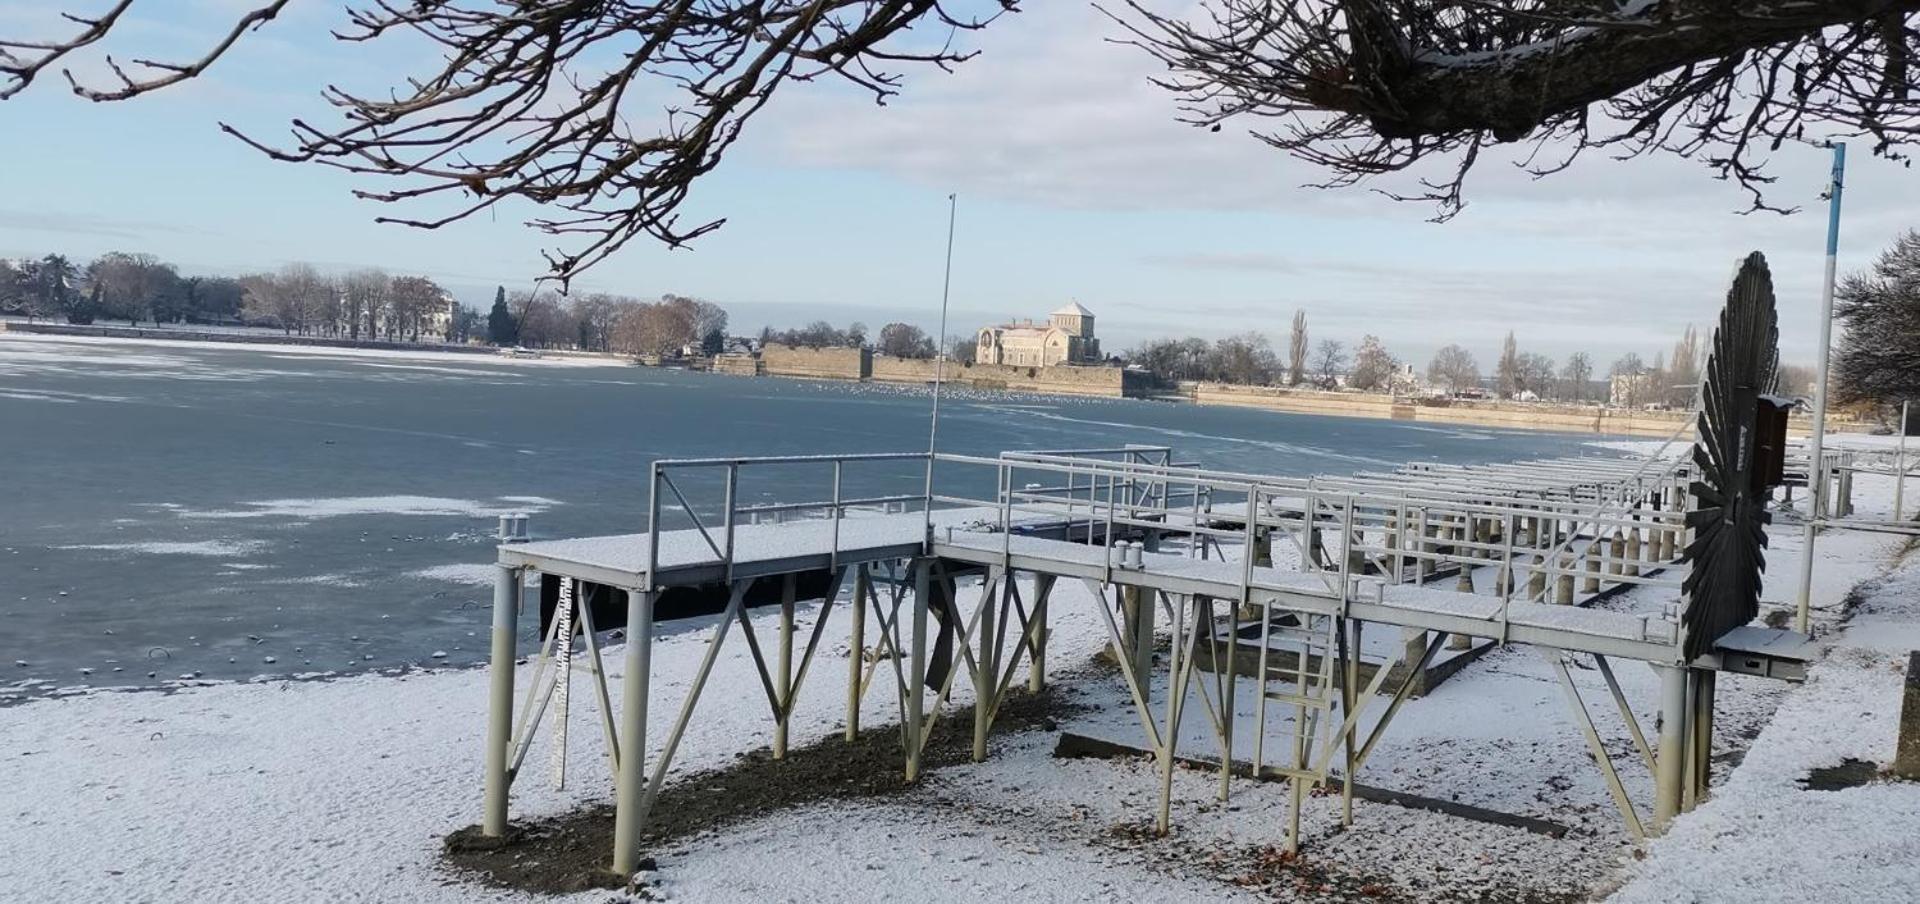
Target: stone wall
777,360
1475,412
1065,379
738,365
889,369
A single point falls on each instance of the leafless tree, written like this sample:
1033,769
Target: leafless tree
1630,381
703,316
542,320
904,340
535,101
1575,377
1506,372
1455,368
1331,358
962,349
1297,349
1683,371
1796,380
595,314
1533,373
1375,86
659,329
539,101
1246,359
415,298
363,297
1373,365
130,284
295,298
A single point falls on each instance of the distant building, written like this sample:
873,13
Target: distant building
438,321
1407,382
1066,338
1633,390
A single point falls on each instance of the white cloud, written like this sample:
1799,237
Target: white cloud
1606,255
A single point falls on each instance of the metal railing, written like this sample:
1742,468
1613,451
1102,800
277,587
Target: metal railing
836,506
1382,525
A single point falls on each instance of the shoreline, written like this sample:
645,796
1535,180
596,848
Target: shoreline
1594,420
124,793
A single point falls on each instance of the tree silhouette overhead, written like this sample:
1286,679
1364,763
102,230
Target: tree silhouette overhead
557,101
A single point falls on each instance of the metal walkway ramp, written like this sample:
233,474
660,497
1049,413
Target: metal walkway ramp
1156,542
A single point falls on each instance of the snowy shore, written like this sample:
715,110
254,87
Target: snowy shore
342,790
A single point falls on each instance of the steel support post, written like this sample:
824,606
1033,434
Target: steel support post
986,670
857,649
1037,653
1229,690
1702,725
1349,687
506,621
1136,610
783,679
917,667
630,790
1669,759
1179,669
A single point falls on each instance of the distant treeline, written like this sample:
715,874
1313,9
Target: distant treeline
297,298
1251,359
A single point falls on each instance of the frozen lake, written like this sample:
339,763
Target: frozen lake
179,510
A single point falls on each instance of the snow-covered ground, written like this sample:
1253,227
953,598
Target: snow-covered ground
1765,836
341,790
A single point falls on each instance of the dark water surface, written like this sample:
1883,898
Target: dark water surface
222,512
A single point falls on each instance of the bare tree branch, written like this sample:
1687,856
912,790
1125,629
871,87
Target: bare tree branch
537,100
1364,87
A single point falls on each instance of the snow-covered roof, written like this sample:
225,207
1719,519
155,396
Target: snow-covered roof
1073,307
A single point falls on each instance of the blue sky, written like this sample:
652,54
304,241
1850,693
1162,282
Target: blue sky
1074,183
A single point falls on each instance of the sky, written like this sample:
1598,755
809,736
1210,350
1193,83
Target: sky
1074,182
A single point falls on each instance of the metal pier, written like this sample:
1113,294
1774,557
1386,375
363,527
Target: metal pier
1151,538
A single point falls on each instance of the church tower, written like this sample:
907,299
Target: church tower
1073,319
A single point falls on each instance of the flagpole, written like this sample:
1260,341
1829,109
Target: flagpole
940,355
1816,472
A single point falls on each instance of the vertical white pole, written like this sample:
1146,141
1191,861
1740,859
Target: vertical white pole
856,654
1670,759
631,789
506,617
783,679
940,356
917,667
1816,475
1900,468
